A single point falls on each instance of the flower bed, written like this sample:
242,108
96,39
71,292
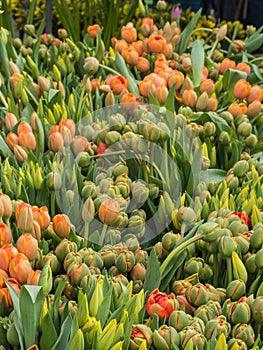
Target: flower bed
131,189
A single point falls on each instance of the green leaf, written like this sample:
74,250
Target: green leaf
169,103
54,96
30,301
5,151
153,100
121,67
172,268
197,58
49,335
17,314
153,275
217,175
62,341
187,32
254,42
231,77
104,308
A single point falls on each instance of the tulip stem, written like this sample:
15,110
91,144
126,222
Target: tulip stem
103,233
53,203
215,277
109,69
256,59
166,169
229,270
80,102
213,48
32,96
108,154
3,100
176,251
86,230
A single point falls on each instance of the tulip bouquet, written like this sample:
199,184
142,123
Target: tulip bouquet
131,186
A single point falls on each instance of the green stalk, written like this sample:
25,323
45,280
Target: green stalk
213,48
86,231
256,59
176,251
53,203
80,103
109,69
32,96
166,169
216,270
103,233
229,270
2,98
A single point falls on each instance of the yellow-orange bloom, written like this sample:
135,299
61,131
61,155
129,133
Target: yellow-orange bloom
129,33
5,234
237,109
189,98
241,89
255,94
130,55
93,30
143,65
226,64
28,245
27,140
41,215
109,210
156,43
20,268
61,225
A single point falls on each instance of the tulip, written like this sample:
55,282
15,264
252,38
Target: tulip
79,144
109,211
6,206
239,312
241,89
138,272
7,253
235,290
156,43
255,94
207,86
76,272
217,325
42,217
244,332
10,120
165,337
12,140
28,245
24,127
45,279
161,304
197,294
130,55
226,64
178,319
140,333
189,98
129,33
20,153
237,109
91,65
143,65
53,181
43,83
61,225
20,268
147,26
33,277
4,292
93,30
118,84
125,261
241,168
254,108
24,217
191,338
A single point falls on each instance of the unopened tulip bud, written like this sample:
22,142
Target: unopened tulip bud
46,279
20,153
164,337
20,268
125,261
240,168
10,121
28,245
202,101
220,35
24,217
91,65
244,332
61,225
54,181
254,108
43,83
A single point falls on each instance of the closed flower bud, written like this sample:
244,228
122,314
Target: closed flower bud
20,268
220,35
109,211
10,121
55,141
239,312
241,89
130,55
129,33
240,168
24,217
197,294
125,261
109,99
207,86
156,43
28,245
217,325
165,337
91,65
226,64
140,333
6,206
235,289
244,332
88,210
20,153
179,320
244,129
138,272
43,83
53,181
254,108
61,225
5,234
189,98
202,102
76,272
27,140
93,30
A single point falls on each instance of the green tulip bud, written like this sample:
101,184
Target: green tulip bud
239,344
169,240
178,320
251,140
165,337
197,294
89,190
226,246
125,261
224,138
241,168
257,309
45,279
217,326
239,312
108,256
193,265
235,289
117,122
259,258
244,129
65,247
244,332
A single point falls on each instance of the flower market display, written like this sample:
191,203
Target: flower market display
131,179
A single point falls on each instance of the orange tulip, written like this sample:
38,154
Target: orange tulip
156,43
147,26
24,217
137,45
212,104
10,120
27,140
168,50
54,128
3,275
24,127
130,55
119,45
55,141
189,98
5,294
109,210
207,86
5,234
237,109
244,67
129,33
20,268
12,140
176,78
226,64
130,101
79,144
27,245
41,215
95,84
7,253
118,84
155,79
161,94
70,124
187,63
255,94
93,30
6,206
241,89
145,87
33,277
61,225
254,108
143,65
